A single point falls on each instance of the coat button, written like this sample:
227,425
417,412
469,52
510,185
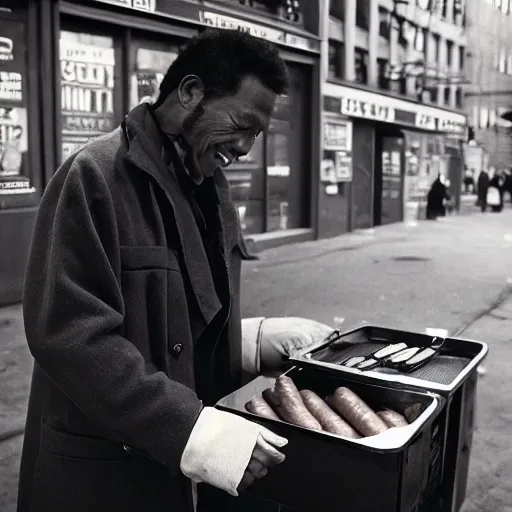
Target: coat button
177,349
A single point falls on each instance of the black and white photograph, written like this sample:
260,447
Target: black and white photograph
255,255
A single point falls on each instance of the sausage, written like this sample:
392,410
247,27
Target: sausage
259,406
392,418
272,399
328,419
412,412
292,408
356,412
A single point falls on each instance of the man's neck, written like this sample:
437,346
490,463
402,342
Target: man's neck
173,131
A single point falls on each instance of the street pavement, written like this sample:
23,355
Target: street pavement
453,274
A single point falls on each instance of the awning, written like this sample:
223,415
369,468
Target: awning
361,103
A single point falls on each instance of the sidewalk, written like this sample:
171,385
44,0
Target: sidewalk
454,274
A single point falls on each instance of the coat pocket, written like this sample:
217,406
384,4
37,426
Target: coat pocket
81,474
156,315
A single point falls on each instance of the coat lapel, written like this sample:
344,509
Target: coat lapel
145,153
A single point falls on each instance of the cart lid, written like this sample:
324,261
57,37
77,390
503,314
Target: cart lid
456,362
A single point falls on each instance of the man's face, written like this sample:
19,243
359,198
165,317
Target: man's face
228,126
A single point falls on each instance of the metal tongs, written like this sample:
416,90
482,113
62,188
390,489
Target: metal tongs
398,356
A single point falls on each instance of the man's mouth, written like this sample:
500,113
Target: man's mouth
225,158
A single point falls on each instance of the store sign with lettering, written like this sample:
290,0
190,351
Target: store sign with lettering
367,110
450,126
144,5
221,21
6,49
359,103
426,122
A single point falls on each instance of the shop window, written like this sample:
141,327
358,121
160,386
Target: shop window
278,168
382,65
246,179
14,156
336,59
384,22
361,66
87,64
150,63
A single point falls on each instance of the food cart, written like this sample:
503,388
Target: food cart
420,467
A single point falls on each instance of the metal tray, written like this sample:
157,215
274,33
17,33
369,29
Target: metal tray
444,374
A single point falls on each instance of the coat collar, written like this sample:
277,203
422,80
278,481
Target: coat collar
145,152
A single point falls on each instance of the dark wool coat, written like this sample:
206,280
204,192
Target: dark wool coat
118,291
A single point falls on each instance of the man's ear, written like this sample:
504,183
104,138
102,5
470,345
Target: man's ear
190,92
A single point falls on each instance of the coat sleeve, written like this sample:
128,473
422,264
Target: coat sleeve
73,312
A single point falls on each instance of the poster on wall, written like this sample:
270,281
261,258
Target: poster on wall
337,135
13,140
87,93
13,112
337,145
343,166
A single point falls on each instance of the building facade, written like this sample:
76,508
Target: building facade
392,119
489,93
71,70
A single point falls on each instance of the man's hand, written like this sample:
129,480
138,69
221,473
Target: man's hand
281,337
265,455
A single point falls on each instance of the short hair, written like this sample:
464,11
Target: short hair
222,59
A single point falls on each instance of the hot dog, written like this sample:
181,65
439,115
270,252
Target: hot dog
328,419
259,406
272,399
356,412
392,418
292,408
412,412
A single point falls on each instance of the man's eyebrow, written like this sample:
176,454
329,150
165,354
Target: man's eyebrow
252,118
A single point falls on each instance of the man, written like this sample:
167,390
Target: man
132,308
482,188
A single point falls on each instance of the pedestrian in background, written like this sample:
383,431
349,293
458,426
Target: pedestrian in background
482,188
469,181
132,302
495,192
436,199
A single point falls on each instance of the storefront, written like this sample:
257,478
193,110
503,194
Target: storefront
397,149
97,59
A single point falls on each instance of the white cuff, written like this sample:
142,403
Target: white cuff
219,449
251,339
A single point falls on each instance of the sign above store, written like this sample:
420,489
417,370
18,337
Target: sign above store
143,5
216,20
353,102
